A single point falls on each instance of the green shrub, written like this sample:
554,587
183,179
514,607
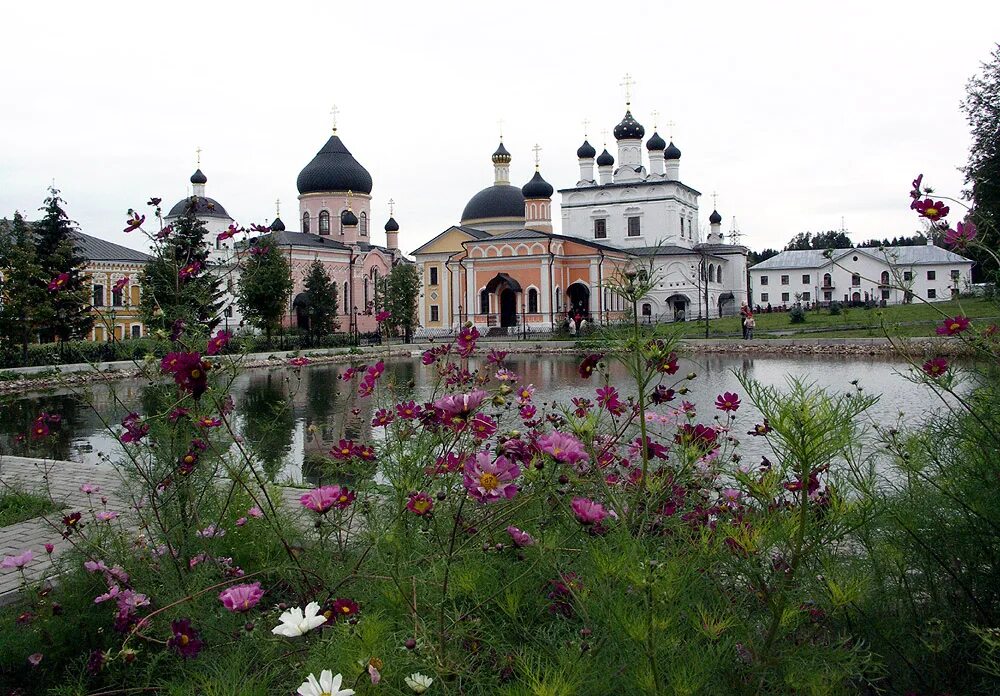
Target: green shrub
835,308
797,315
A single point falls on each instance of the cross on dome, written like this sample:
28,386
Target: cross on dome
500,128
670,129
277,207
627,84
392,207
656,116
537,149
334,111
586,125
197,153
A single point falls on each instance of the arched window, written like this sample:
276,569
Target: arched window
366,295
363,224
324,222
718,274
827,280
484,302
347,300
885,277
342,220
647,309
711,272
856,279
305,222
532,301
558,300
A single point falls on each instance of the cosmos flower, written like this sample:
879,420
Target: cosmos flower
930,209
257,250
89,488
210,532
135,430
520,537
587,511
482,426
382,418
525,392
19,561
229,233
562,447
727,402
961,236
322,500
343,608
189,270
296,622
105,515
915,187
953,325
59,282
382,316
241,598
418,682
420,504
298,362
134,221
209,422
328,684
456,409
217,342
935,367
184,638
408,410
590,364
120,284
488,480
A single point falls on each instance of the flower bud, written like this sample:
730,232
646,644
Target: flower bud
410,644
691,375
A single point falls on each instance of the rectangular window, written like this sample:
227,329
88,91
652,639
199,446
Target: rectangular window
784,280
600,229
763,297
931,275
805,280
763,280
434,312
98,295
806,297
136,331
907,276
434,275
954,274
784,297
885,293
931,294
856,280
827,296
116,297
633,227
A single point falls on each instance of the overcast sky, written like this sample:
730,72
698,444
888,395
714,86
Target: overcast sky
796,113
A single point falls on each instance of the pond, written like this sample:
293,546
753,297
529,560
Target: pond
287,416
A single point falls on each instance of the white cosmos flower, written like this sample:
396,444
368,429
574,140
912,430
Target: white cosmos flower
419,682
328,685
294,622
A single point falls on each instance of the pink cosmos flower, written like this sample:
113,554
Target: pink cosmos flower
953,325
488,480
49,548
218,342
525,392
730,497
590,364
59,282
915,187
322,500
184,639
608,398
482,426
211,531
466,341
19,561
587,511
382,418
961,236
727,402
505,375
241,598
229,233
120,284
420,504
298,362
34,659
527,412
209,422
255,512
190,270
562,447
520,537
496,357
241,521
382,316
408,410
134,221
935,367
105,515
458,408
930,209
429,357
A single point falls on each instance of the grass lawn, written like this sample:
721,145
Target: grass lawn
18,506
917,319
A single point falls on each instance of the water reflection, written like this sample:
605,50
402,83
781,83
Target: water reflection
290,419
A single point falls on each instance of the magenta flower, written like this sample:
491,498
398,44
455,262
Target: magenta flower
562,447
382,418
343,608
590,364
59,282
230,232
482,426
953,325
344,450
210,532
322,500
49,548
184,638
176,414
120,285
935,367
587,511
458,408
382,316
730,497
134,221
429,357
466,341
727,402
135,429
608,398
488,480
930,209
190,270
527,412
105,515
408,410
420,504
34,659
209,422
90,488
19,561
298,362
241,598
699,436
520,537
496,357
256,250
218,342
255,512
525,392
962,235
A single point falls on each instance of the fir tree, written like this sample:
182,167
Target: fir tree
264,286
321,295
400,293
179,284
21,292
63,314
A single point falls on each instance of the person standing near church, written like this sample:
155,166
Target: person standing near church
745,316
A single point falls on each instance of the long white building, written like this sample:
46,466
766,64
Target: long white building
893,274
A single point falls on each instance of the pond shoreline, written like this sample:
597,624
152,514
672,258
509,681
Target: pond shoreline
60,376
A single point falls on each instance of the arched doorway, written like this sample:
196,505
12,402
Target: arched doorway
578,300
677,306
508,307
301,306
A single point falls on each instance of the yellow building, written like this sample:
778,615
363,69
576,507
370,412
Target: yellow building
109,264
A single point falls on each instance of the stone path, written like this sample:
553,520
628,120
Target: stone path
61,480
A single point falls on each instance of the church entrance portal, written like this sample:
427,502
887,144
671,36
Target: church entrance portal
301,306
508,307
578,300
678,305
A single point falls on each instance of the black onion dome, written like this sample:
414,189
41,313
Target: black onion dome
501,156
605,159
199,177
392,225
203,206
586,151
502,201
672,152
629,128
715,218
348,218
277,225
537,187
656,143
334,169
